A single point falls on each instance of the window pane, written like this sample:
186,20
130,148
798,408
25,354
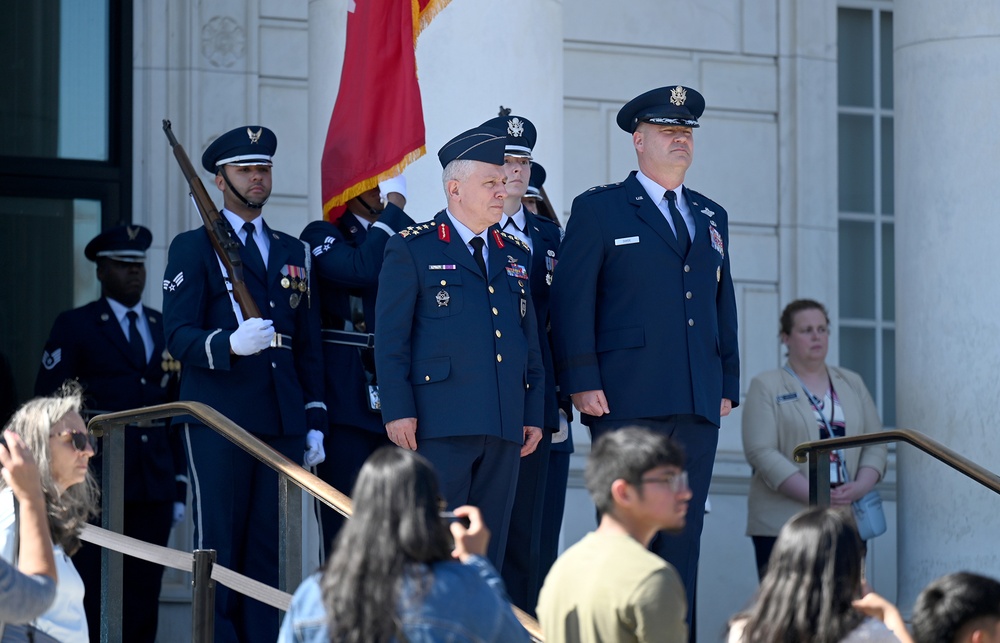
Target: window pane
888,272
856,163
44,242
54,60
885,57
857,352
855,58
856,249
888,163
887,405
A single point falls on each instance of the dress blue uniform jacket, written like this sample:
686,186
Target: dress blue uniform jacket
655,330
457,353
88,343
545,237
275,392
347,260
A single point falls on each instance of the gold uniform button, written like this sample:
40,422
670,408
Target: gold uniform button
520,283
427,378
499,357
491,290
687,268
272,304
495,311
498,334
522,291
444,283
688,294
690,322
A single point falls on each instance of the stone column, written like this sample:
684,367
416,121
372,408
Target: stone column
947,71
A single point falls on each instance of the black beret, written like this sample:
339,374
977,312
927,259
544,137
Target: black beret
675,105
477,144
521,134
536,181
127,243
249,145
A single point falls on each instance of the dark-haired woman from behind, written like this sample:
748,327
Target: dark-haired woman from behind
395,573
813,590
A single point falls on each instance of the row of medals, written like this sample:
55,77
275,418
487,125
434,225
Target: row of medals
296,284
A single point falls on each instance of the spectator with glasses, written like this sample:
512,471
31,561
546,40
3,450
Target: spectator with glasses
53,430
609,586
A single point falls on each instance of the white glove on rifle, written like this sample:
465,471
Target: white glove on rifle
315,454
253,336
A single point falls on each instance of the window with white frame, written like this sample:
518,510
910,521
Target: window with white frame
865,224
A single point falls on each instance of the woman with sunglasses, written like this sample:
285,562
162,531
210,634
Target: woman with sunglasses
53,430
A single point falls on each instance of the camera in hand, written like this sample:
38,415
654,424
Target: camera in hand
450,516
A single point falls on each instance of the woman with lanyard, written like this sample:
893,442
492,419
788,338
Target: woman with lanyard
805,400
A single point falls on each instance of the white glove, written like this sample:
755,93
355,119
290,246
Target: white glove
395,184
253,336
178,512
315,454
563,433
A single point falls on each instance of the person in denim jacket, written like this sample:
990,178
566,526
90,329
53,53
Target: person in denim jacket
396,557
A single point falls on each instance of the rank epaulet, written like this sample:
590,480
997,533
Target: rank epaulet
520,244
417,230
606,186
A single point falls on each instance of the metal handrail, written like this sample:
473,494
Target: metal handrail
289,572
819,476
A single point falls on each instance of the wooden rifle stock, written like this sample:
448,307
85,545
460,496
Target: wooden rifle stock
215,225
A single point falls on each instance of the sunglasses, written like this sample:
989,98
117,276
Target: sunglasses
79,439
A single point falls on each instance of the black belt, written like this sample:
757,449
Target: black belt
349,338
281,341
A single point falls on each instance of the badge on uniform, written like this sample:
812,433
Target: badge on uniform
293,277
320,249
625,241
716,241
524,307
442,298
550,265
171,285
49,360
515,269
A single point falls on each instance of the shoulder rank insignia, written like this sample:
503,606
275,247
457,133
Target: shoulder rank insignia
170,285
49,360
506,236
417,230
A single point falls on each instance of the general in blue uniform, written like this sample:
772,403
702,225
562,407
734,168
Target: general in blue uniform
264,374
456,347
115,347
347,258
643,307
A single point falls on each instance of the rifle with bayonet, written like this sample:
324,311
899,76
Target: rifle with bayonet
225,246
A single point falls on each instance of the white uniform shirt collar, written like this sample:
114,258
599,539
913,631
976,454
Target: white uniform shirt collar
656,192
467,234
263,242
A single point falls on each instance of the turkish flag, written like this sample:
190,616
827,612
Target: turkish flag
377,126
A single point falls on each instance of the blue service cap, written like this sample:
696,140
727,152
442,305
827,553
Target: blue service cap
477,144
535,182
249,145
521,134
127,243
675,105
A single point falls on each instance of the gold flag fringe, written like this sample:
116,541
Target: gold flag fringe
367,184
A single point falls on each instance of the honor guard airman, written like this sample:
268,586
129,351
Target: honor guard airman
456,345
643,306
265,374
347,258
115,347
522,561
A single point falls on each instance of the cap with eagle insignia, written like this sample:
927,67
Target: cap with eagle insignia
477,144
126,243
521,134
675,105
247,145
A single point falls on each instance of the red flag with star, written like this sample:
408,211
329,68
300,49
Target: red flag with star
377,126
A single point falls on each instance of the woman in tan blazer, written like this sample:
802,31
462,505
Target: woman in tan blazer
805,401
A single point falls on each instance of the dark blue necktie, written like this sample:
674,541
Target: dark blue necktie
680,228
135,345
477,244
253,256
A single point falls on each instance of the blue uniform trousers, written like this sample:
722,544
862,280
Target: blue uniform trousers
235,512
478,470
